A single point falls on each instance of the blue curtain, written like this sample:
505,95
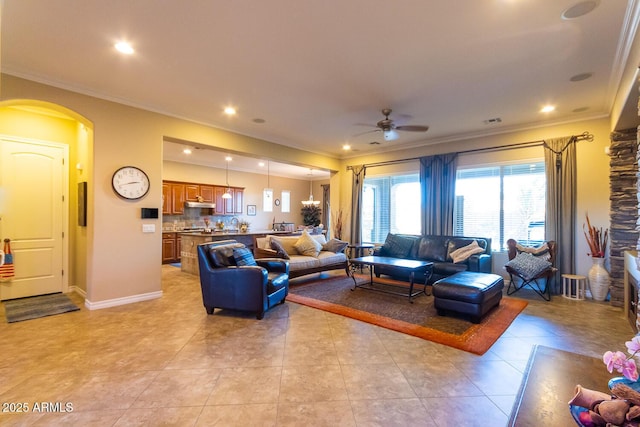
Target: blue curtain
438,193
359,173
560,223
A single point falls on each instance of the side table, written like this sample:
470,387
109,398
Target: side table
574,286
357,250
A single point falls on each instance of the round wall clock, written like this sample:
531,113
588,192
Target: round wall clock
130,182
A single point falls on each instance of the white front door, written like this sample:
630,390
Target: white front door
33,181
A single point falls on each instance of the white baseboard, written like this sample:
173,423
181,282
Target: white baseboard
78,291
121,301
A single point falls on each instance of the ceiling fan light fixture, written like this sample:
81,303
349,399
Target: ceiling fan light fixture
390,135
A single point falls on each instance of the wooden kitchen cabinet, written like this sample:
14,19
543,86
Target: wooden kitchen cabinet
229,205
192,191
219,201
171,247
238,198
167,199
177,198
174,194
206,191
168,247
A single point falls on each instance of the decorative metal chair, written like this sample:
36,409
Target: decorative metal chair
531,267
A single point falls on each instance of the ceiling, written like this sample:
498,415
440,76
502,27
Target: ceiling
201,155
318,74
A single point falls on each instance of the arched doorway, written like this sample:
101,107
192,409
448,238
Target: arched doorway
45,158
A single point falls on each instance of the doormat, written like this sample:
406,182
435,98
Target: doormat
29,308
394,312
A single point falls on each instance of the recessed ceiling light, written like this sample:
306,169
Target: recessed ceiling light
547,109
187,150
259,121
261,164
580,77
124,47
228,158
346,147
580,9
493,121
230,111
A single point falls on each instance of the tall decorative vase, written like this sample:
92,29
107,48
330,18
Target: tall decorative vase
598,280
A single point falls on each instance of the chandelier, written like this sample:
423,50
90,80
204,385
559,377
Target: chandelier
311,202
227,194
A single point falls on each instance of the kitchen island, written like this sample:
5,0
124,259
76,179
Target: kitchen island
191,240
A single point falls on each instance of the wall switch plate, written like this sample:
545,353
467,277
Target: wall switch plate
148,228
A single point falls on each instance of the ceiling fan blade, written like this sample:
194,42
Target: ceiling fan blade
390,135
365,132
413,128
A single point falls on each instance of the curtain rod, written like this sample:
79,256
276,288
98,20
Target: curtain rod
585,136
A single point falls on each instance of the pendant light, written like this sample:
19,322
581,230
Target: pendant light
311,202
227,194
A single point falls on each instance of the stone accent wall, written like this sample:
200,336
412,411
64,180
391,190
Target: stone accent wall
624,229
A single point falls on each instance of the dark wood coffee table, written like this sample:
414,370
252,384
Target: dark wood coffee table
411,266
549,384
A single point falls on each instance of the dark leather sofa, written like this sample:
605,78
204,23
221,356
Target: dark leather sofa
245,288
436,249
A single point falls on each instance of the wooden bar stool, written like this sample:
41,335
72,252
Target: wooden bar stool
574,286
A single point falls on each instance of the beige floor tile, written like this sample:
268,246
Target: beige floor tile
246,386
383,381
263,415
178,388
391,413
312,384
317,414
440,379
179,417
477,411
318,352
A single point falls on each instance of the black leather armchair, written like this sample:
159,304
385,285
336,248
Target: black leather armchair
245,288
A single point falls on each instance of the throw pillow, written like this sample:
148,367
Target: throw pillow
287,243
463,253
243,256
280,251
222,255
397,246
528,266
307,245
335,245
541,251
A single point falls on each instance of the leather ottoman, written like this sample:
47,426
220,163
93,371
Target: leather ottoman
469,293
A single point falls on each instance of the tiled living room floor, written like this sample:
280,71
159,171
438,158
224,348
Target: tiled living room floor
165,362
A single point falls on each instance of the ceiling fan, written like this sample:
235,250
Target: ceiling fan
389,128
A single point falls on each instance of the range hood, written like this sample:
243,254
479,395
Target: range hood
200,205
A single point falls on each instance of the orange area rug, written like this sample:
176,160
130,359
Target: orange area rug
420,319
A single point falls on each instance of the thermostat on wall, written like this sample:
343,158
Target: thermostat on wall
149,213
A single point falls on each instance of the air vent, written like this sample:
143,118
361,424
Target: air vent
492,121
374,143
